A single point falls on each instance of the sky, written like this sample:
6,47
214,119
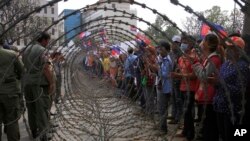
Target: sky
175,13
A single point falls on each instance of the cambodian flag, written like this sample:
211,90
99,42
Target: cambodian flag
205,29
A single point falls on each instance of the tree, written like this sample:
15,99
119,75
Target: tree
231,22
171,31
235,22
26,29
163,26
217,16
159,23
192,26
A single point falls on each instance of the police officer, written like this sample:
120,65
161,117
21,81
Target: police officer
39,84
11,70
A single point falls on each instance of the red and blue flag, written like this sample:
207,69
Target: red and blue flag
205,29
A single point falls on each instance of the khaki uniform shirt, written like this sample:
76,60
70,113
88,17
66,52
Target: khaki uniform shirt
34,59
11,70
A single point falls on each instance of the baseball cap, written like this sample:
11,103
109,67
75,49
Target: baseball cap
238,41
176,38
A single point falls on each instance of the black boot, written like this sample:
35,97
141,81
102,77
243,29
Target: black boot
34,134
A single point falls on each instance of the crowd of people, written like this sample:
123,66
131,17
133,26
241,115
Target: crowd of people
209,74
32,77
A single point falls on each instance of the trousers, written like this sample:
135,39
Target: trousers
9,115
38,104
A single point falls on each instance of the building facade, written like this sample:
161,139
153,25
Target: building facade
70,26
99,15
45,17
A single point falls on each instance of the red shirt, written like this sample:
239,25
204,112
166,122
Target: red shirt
186,67
206,95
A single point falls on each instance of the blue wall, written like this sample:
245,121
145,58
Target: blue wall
71,22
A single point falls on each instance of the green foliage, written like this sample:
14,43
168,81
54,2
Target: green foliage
231,21
192,26
28,27
235,21
171,31
164,26
217,16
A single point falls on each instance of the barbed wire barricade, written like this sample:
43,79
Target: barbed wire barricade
96,105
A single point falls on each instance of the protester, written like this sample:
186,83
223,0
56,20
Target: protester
233,78
129,73
205,94
57,58
164,85
91,62
139,67
176,98
120,76
148,79
199,111
106,65
113,70
188,84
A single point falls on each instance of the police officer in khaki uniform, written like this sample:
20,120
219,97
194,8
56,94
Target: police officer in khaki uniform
39,84
11,70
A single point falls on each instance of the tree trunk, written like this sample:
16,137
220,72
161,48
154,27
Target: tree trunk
246,29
